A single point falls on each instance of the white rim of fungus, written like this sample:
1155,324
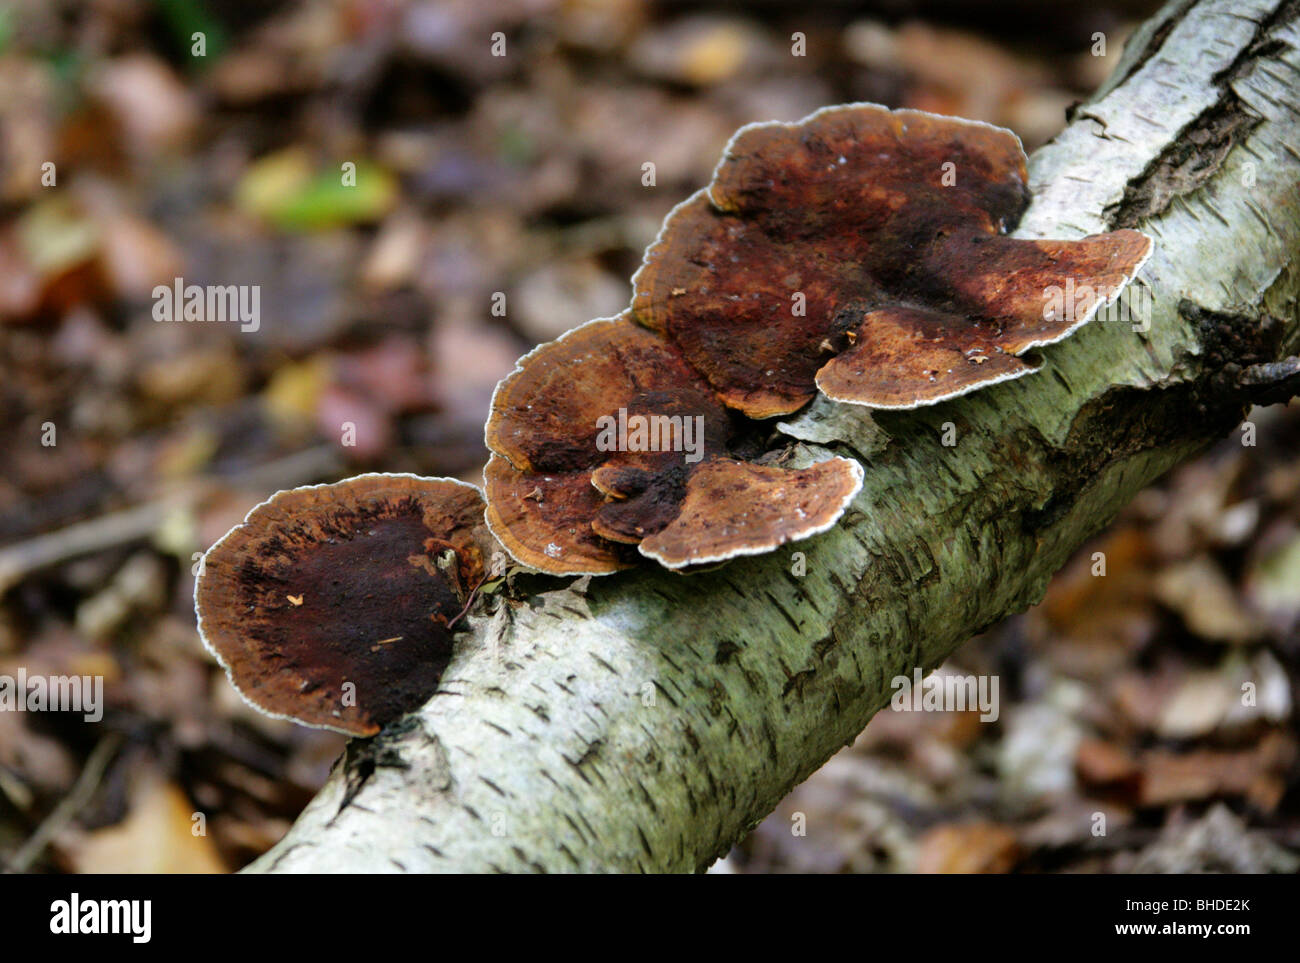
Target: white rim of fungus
198,612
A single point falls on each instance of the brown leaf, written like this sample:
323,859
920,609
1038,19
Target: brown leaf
974,847
1258,774
1106,765
1199,591
157,836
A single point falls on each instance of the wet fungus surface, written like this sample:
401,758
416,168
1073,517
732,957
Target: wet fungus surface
333,605
861,252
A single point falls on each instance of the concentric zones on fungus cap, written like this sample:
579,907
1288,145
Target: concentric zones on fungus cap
570,488
860,251
351,583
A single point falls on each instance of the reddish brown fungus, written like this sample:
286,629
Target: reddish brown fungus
545,429
552,531
602,437
861,252
733,508
330,605
876,235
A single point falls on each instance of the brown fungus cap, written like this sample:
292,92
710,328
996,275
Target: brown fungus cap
544,413
545,431
860,252
866,244
331,605
543,520
572,488
735,508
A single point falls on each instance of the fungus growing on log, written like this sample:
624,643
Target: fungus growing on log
334,605
606,439
861,251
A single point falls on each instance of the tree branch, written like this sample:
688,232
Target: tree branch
647,720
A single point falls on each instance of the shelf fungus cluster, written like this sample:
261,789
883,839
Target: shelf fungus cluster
607,440
334,605
860,253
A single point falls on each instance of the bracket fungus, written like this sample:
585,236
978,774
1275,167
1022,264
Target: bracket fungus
860,252
606,439
334,605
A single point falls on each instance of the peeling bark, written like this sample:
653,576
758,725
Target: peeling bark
646,721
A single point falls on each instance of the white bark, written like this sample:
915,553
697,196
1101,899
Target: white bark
646,721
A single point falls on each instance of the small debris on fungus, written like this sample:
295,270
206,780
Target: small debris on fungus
331,605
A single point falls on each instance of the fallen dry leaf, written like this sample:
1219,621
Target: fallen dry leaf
976,847
1200,592
155,837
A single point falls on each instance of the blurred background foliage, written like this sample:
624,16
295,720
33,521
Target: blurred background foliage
218,159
